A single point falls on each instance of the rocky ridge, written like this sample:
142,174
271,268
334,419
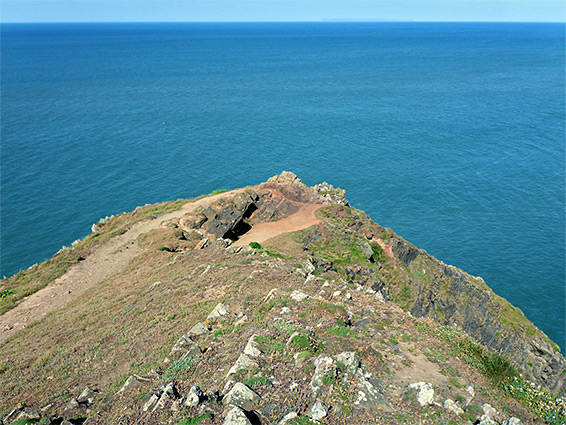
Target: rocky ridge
340,322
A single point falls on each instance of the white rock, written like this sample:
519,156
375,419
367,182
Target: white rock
425,393
152,400
236,416
299,296
286,311
512,421
193,397
242,396
317,411
243,362
251,348
218,311
453,407
198,329
287,418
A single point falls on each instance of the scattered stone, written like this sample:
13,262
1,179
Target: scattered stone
224,243
351,361
148,404
241,320
323,367
317,411
425,393
87,396
470,390
186,346
169,393
218,311
286,311
309,267
362,324
251,348
484,420
243,363
490,412
287,418
198,329
72,404
512,421
453,407
194,396
176,406
236,416
299,296
242,396
370,393
94,228
336,294
348,296
367,250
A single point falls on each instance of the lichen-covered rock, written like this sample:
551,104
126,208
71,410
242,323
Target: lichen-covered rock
218,312
370,392
243,363
323,367
317,411
351,362
198,329
194,396
236,416
425,393
453,407
186,346
242,396
251,348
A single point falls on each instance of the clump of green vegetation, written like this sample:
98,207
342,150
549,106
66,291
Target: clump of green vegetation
5,293
265,250
306,342
258,382
218,191
494,366
301,420
269,345
342,331
196,419
255,245
178,368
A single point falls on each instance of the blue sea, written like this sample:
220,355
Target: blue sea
451,134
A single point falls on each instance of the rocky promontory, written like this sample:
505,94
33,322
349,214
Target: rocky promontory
272,304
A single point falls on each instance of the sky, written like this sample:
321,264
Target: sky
281,10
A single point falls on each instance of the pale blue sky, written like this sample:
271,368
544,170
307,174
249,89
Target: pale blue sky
281,10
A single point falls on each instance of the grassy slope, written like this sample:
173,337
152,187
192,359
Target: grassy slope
127,326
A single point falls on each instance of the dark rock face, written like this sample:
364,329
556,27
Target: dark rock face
228,223
451,296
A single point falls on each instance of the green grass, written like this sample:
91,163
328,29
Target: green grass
343,332
196,419
301,420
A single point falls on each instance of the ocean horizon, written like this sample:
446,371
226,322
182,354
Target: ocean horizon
451,134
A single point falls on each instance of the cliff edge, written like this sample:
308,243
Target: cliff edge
273,304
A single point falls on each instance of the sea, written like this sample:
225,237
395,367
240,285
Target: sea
451,134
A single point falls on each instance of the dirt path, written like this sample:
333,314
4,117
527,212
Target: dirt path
110,258
263,231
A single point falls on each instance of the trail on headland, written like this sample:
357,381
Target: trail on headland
115,255
106,260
